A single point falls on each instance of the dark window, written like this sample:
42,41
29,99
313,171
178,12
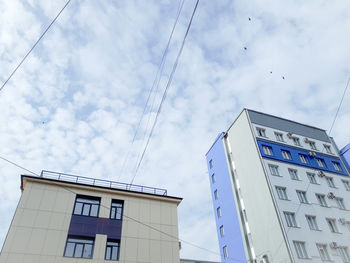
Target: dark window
86,206
112,249
117,209
79,247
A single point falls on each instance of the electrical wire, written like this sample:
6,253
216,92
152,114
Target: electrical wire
36,43
129,217
165,91
155,84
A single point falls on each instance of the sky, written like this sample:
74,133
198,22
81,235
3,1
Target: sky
75,103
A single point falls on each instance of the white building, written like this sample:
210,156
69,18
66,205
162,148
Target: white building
65,218
281,192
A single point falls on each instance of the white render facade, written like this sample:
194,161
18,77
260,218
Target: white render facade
50,225
291,191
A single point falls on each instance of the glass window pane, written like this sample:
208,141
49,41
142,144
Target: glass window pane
108,253
86,209
78,250
119,213
113,212
87,251
114,253
69,250
78,208
94,210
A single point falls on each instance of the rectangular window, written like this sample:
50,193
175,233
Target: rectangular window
344,254
274,169
216,194
224,250
337,166
302,197
328,148
312,145
211,164
293,174
267,150
340,202
321,199
332,225
222,233
311,220
213,178
79,247
279,136
322,249
290,219
218,211
86,206
116,209
303,158
112,249
296,141
330,182
281,192
300,249
286,155
261,132
312,178
320,162
346,184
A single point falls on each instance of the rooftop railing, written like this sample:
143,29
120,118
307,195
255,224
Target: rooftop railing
101,183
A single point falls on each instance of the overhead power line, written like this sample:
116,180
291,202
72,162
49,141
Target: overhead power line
35,44
166,90
155,84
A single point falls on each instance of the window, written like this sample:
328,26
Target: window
321,199
337,166
320,162
312,178
224,249
213,178
312,145
274,169
311,220
296,141
117,209
79,247
112,249
302,197
222,233
300,249
281,192
346,184
332,225
286,155
216,194
293,174
267,150
211,164
261,132
303,158
328,148
344,254
279,137
290,219
322,249
330,182
340,202
218,211
86,206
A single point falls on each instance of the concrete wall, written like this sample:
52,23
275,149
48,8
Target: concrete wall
39,228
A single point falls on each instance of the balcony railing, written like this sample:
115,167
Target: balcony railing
102,183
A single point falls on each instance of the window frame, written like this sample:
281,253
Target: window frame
300,246
267,150
345,257
330,182
313,176
290,219
213,179
337,166
313,145
281,192
222,231
346,184
332,224
272,168
312,222
286,155
218,212
296,141
110,246
118,205
261,132
279,136
340,203
325,255
321,198
88,204
303,158
293,173
321,163
302,197
82,242
216,194
328,148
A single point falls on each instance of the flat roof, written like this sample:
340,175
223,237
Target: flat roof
49,176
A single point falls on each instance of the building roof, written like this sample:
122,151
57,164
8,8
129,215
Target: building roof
49,176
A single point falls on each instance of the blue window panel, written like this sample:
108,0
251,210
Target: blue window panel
295,154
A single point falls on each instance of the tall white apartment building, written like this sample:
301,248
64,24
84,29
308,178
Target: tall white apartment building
66,218
281,192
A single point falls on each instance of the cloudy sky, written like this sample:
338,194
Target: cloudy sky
75,103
